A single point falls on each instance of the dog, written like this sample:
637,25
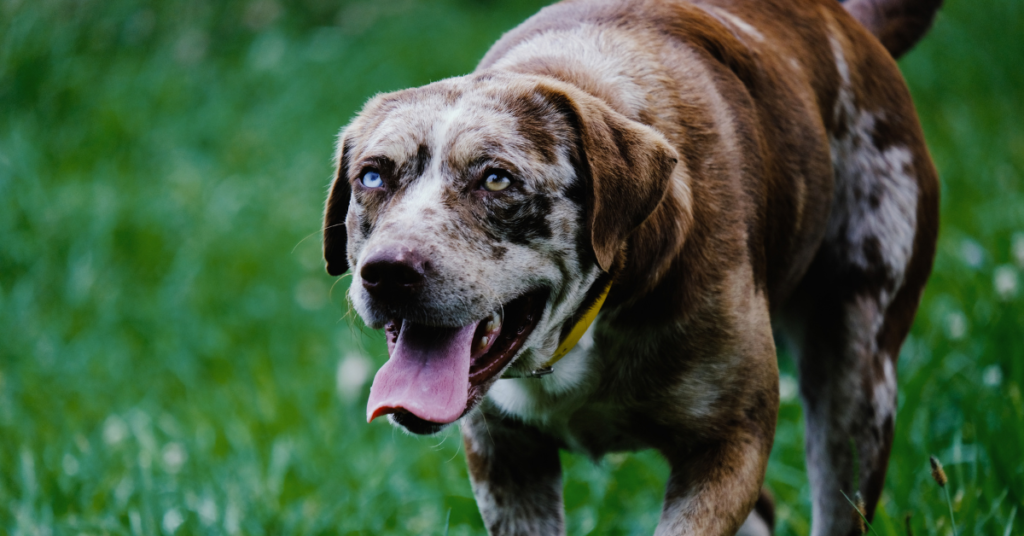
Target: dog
591,242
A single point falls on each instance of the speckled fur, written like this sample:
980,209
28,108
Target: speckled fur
730,170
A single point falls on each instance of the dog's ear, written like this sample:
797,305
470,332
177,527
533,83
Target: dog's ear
335,234
627,163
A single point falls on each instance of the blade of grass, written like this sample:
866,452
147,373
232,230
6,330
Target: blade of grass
856,509
952,520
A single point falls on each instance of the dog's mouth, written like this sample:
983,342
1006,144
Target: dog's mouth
434,375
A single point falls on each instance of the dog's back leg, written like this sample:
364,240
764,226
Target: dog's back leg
850,315
848,386
846,338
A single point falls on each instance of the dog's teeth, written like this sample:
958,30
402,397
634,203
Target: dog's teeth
493,323
482,343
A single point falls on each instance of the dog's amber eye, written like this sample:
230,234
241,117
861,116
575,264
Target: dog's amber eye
371,179
496,181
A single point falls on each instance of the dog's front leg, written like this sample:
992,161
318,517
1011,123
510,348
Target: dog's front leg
516,476
712,488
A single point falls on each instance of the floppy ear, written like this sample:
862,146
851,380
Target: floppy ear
628,164
335,234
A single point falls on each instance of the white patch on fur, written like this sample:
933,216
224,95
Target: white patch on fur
409,214
754,526
885,392
841,65
423,195
699,392
864,172
544,399
676,516
485,502
738,23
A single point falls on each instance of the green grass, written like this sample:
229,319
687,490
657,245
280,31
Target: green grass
169,341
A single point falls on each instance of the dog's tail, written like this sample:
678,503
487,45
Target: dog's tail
898,24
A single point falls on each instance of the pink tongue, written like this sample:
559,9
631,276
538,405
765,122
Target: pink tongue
426,375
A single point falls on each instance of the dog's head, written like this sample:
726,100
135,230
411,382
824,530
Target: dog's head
477,214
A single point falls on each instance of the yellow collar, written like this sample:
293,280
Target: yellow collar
574,336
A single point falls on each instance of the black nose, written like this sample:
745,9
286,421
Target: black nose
394,275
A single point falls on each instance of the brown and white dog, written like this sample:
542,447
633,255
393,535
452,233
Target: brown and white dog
723,167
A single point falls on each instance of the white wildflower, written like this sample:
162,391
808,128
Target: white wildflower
956,325
172,520
1018,248
972,253
992,376
1005,281
173,456
114,430
311,294
207,510
787,388
69,464
353,371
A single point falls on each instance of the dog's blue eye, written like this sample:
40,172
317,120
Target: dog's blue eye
371,179
496,181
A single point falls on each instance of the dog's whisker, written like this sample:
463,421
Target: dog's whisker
483,415
444,437
307,237
311,235
458,449
336,281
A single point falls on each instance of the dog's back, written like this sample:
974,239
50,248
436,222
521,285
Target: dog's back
740,83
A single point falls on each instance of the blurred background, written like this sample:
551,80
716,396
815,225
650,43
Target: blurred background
174,359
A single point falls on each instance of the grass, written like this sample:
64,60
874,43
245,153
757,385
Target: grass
170,345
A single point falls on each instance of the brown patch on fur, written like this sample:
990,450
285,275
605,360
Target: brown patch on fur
533,115
627,164
898,24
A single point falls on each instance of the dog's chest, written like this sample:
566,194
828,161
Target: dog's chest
582,402
582,419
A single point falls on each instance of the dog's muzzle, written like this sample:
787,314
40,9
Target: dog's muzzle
436,373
